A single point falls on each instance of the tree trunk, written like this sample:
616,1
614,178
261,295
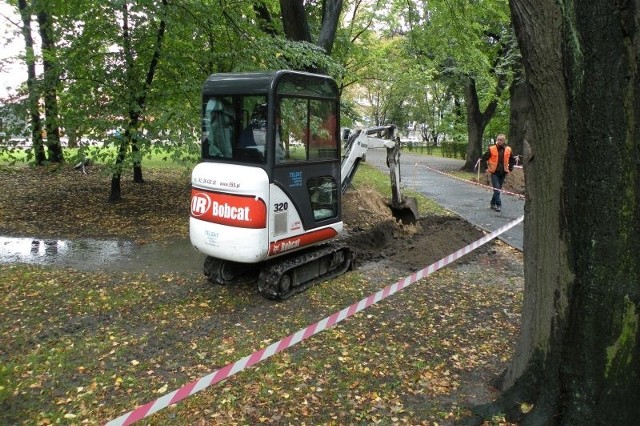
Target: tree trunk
577,360
137,163
519,113
32,87
476,123
50,83
137,105
296,25
115,194
330,19
294,20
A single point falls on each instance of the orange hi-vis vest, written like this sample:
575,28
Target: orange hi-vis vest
492,163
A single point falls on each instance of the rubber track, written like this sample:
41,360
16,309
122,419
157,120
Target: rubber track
269,279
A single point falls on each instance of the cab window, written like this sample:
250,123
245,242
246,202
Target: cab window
323,193
218,128
307,128
235,128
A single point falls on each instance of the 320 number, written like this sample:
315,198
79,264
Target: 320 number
280,207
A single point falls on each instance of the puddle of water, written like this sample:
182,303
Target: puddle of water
92,254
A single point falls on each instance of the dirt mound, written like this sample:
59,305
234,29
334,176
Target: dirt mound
376,236
514,181
364,207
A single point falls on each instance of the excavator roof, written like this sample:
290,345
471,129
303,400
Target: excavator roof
260,82
232,83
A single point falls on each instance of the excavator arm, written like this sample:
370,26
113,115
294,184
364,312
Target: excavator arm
404,209
358,143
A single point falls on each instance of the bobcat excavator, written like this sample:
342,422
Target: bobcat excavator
267,193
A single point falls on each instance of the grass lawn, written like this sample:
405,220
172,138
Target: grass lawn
85,347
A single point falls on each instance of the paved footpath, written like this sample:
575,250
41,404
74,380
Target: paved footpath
469,201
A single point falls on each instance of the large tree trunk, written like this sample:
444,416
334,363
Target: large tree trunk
50,83
294,20
32,86
331,10
577,360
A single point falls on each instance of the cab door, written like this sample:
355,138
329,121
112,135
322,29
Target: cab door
308,170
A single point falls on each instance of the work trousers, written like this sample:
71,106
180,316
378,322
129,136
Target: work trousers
497,179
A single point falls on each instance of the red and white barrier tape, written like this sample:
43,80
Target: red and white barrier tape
504,191
297,337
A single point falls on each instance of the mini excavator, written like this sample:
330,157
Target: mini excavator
266,194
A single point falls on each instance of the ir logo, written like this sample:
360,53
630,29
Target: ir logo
200,204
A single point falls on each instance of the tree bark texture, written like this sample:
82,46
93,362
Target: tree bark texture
577,359
294,20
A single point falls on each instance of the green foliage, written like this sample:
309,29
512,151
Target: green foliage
159,155
11,155
454,149
104,65
444,44
408,59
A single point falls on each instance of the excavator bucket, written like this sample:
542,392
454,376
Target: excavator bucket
405,211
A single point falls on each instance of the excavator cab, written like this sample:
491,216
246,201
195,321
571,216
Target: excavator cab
268,182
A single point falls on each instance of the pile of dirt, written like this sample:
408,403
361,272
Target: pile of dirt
377,236
515,181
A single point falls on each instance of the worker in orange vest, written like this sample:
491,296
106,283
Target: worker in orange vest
500,162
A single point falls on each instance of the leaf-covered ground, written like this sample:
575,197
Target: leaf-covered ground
85,347
63,203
